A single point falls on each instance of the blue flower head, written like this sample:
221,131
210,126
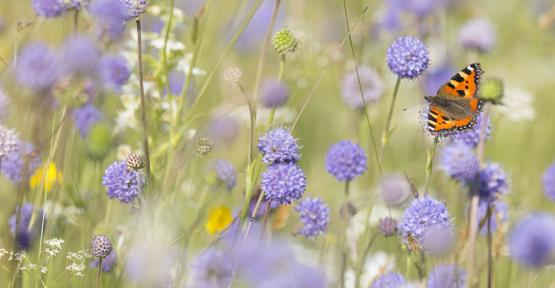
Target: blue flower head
12,164
84,118
114,72
408,57
389,280
447,276
532,241
123,183
277,146
549,182
346,160
110,17
315,216
493,182
49,8
26,234
108,262
134,8
37,67
459,162
212,269
423,213
499,210
477,34
274,94
226,173
80,55
283,182
471,137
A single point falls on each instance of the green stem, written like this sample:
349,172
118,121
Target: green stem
387,131
362,259
99,273
142,94
430,166
490,250
165,57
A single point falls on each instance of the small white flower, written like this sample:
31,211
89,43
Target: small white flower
76,268
3,252
43,269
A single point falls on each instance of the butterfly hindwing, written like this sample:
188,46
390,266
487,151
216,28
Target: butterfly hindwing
447,110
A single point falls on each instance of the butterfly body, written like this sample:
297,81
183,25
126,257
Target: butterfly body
455,106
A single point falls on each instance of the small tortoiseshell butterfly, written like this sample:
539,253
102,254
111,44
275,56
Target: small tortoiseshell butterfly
456,105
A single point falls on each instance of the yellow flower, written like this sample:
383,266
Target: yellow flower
219,218
52,177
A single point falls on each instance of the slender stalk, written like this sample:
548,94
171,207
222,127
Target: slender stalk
143,104
370,126
252,118
362,259
76,21
387,130
490,250
165,57
430,166
99,273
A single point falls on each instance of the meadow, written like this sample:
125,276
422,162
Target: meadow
270,143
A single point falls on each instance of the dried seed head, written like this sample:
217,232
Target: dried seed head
101,246
232,75
387,226
285,42
204,146
135,161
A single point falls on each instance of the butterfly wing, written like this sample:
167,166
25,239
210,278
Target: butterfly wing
463,84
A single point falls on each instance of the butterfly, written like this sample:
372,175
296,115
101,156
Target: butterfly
456,105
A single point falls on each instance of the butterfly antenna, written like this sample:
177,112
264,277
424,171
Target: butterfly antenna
411,106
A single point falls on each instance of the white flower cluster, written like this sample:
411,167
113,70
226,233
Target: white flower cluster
54,246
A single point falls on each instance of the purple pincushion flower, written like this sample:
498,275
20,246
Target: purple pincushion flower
423,8
372,86
493,182
226,173
447,276
80,55
110,16
395,189
389,280
471,137
77,4
224,130
108,262
549,182
114,72
532,241
315,216
212,269
277,146
123,183
12,165
274,94
25,233
85,117
499,215
423,213
438,240
134,8
459,162
477,34
49,8
346,160
37,67
408,57
283,182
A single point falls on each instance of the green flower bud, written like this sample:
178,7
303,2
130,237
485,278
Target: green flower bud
491,90
99,140
284,41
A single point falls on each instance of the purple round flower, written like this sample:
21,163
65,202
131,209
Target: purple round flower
80,55
278,145
226,173
372,86
77,4
477,34
283,182
471,137
212,269
85,117
395,189
12,165
110,17
493,182
122,183
387,226
315,216
346,160
422,8
389,280
447,276
224,130
423,213
274,94
532,241
549,182
408,57
114,72
459,161
37,66
500,212
438,240
134,8
26,234
108,262
49,8
434,79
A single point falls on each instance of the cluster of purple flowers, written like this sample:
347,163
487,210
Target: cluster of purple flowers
226,173
315,216
346,160
26,233
123,183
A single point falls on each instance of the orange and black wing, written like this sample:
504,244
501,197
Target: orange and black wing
463,84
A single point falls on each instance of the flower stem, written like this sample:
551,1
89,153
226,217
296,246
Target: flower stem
490,251
430,166
362,259
76,21
387,130
99,273
143,105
